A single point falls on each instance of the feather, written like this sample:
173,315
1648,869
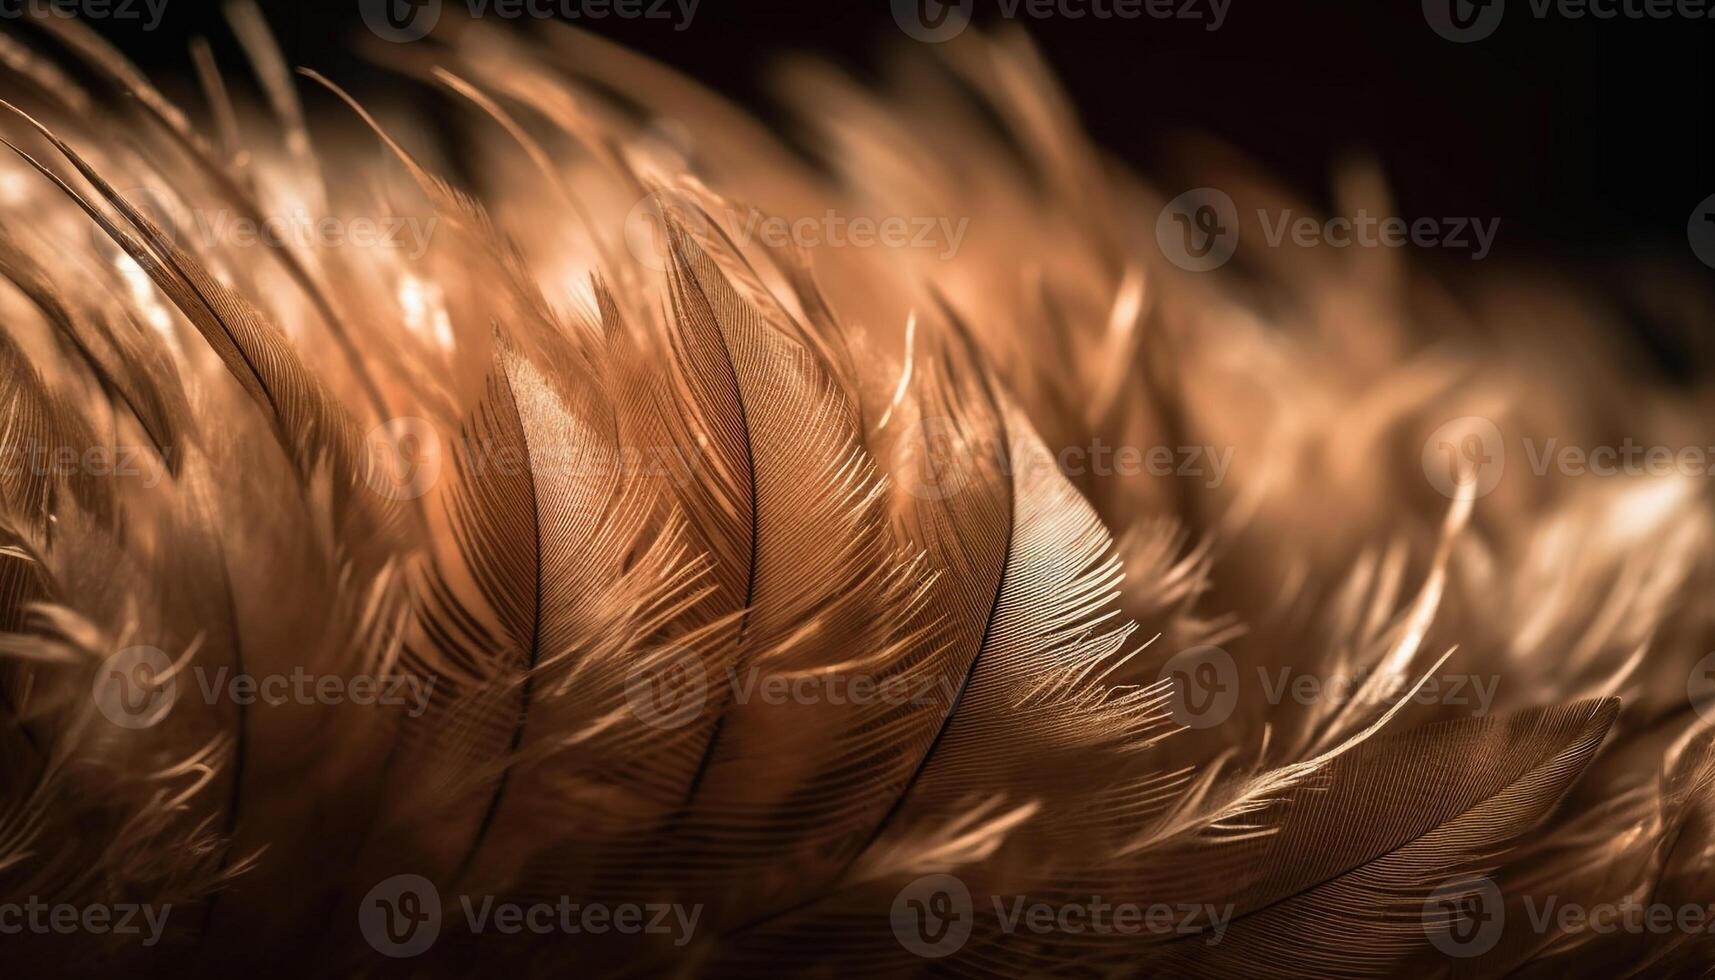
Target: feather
608,554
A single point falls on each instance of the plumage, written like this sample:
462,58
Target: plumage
577,485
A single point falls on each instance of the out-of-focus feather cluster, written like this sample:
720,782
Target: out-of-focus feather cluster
393,536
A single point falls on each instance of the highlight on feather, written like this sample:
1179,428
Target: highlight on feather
653,552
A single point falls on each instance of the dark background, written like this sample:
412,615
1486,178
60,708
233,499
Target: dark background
1590,139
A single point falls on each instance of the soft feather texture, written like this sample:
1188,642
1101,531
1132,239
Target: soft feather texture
711,461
